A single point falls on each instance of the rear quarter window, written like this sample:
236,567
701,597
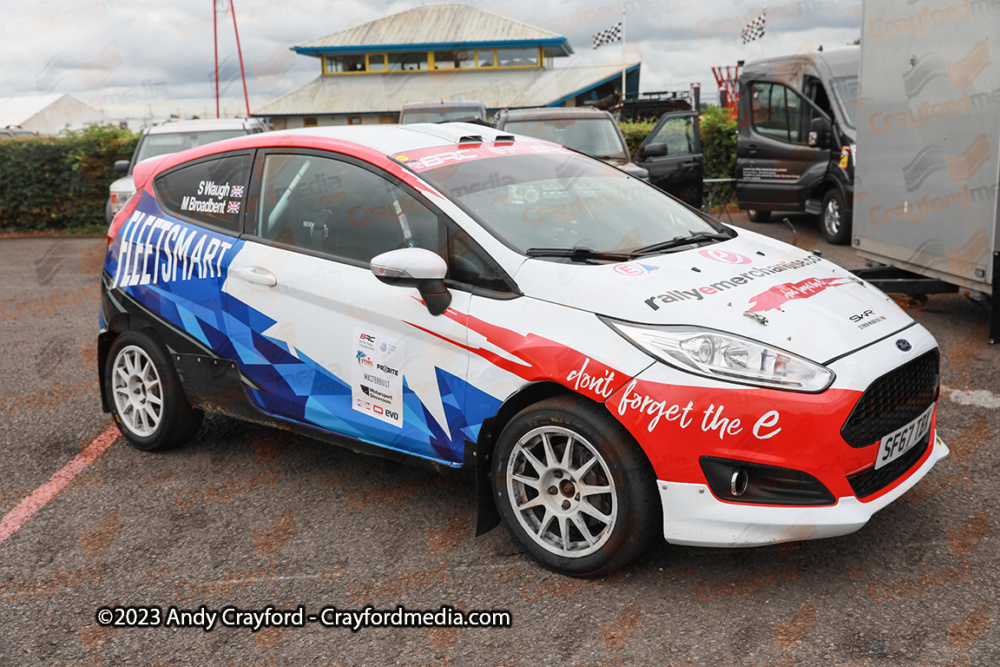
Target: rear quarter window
208,192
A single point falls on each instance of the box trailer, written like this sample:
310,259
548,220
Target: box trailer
928,151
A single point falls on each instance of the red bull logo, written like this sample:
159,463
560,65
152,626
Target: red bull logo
775,297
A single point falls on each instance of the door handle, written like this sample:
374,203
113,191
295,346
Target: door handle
257,276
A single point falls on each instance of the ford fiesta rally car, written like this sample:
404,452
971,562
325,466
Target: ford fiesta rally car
608,363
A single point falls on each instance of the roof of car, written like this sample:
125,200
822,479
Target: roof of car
444,104
201,125
550,113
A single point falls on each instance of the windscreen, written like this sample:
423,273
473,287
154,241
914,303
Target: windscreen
846,91
174,142
535,195
597,137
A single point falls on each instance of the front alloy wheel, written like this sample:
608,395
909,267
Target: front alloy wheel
562,492
574,488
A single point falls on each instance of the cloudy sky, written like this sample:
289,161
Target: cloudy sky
151,58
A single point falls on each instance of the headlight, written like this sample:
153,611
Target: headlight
725,357
118,199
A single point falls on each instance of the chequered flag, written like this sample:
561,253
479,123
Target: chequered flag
612,34
754,29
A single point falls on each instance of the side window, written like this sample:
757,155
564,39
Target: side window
678,135
336,207
467,263
208,192
780,113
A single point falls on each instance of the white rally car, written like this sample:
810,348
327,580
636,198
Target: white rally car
608,363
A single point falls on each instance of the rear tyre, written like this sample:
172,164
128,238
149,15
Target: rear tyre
756,215
145,394
574,488
835,222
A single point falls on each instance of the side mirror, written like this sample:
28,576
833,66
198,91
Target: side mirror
121,166
653,150
819,133
415,267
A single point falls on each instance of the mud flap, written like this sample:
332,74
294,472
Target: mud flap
487,516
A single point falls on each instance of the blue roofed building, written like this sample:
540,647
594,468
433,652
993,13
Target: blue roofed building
445,52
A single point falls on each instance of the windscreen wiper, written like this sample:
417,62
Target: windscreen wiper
678,242
577,254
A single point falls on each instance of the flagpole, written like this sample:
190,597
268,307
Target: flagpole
624,66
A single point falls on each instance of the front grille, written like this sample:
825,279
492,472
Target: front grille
893,401
871,480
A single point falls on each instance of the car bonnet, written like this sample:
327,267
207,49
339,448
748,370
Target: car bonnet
750,285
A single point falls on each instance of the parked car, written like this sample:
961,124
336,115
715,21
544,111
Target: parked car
671,153
171,137
606,363
442,112
585,129
795,149
12,132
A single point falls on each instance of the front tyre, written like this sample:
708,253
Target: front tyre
757,215
574,488
835,222
145,395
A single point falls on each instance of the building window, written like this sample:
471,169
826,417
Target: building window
350,63
309,121
417,61
465,59
354,120
406,62
487,58
527,57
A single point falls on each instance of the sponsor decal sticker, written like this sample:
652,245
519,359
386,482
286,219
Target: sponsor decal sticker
376,378
724,256
775,297
635,269
699,293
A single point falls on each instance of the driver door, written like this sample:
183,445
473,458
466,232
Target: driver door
779,160
320,340
681,169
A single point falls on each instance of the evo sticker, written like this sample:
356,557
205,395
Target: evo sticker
377,376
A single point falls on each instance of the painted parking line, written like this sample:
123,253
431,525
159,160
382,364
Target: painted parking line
38,498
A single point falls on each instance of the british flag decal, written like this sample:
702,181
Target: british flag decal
234,207
237,191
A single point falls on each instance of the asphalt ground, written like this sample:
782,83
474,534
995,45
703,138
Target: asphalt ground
249,517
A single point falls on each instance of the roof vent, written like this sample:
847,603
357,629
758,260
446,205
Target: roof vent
470,139
504,138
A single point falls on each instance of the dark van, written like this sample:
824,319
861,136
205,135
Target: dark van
795,149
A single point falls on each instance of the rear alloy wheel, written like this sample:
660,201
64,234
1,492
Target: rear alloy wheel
835,223
145,395
756,215
573,487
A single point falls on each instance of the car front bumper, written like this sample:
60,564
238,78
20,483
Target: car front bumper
693,516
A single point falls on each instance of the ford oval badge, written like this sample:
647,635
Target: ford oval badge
904,345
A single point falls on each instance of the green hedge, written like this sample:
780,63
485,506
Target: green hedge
60,182
718,140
